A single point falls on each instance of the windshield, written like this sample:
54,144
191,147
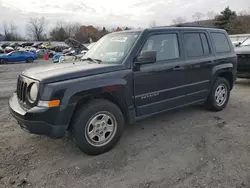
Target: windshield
246,42
113,48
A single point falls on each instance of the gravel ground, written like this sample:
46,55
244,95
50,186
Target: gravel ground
189,147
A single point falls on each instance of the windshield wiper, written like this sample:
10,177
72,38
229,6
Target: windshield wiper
93,60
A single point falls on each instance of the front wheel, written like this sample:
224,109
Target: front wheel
219,95
30,60
97,127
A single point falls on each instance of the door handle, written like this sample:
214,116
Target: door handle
178,68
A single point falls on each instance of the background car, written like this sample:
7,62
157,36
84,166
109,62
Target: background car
27,44
5,45
46,46
41,52
60,56
30,49
18,56
243,53
8,49
37,45
77,54
1,50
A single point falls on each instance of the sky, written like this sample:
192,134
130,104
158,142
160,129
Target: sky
111,13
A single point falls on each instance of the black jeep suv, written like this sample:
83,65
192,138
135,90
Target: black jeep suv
125,77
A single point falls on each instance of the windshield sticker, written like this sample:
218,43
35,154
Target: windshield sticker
119,39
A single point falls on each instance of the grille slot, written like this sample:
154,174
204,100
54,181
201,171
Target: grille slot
21,90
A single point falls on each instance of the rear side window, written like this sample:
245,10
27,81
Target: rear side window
206,49
193,45
220,42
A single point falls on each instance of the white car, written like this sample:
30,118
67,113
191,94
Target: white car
30,49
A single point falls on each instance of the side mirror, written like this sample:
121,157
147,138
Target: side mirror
237,45
146,57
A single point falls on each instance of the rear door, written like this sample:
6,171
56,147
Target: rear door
198,64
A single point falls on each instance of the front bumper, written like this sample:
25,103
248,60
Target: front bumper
33,120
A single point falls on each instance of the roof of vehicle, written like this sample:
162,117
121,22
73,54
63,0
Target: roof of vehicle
162,28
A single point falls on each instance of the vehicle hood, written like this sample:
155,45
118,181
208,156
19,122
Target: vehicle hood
65,71
3,55
75,44
242,50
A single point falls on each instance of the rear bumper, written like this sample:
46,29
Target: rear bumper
28,121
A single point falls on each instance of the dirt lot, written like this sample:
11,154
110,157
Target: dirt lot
190,147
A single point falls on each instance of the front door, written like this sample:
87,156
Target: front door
165,84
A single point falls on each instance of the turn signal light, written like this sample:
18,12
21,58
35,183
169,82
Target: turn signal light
53,103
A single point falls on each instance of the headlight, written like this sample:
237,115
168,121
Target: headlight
33,92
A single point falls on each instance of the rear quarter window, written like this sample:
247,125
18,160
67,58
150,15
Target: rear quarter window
220,42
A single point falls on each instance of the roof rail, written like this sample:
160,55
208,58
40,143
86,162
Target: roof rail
183,25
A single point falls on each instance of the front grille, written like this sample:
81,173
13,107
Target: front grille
243,63
21,89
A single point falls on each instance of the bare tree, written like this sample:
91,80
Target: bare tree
211,15
36,28
72,28
10,31
198,17
152,23
179,20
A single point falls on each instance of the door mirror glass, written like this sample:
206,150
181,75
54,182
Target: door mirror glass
146,57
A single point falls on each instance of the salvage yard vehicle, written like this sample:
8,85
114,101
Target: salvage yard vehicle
74,56
45,51
126,76
75,48
8,49
243,52
17,56
1,50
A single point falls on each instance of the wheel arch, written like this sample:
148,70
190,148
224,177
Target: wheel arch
109,96
225,71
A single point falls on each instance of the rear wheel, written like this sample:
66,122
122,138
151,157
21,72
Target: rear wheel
97,127
219,96
30,60
3,61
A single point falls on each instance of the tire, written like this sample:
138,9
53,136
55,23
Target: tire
30,60
3,61
221,102
85,125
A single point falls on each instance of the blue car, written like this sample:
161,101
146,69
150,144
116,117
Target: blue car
18,56
56,58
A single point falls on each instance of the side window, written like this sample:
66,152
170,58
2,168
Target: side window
206,48
220,42
166,46
193,45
